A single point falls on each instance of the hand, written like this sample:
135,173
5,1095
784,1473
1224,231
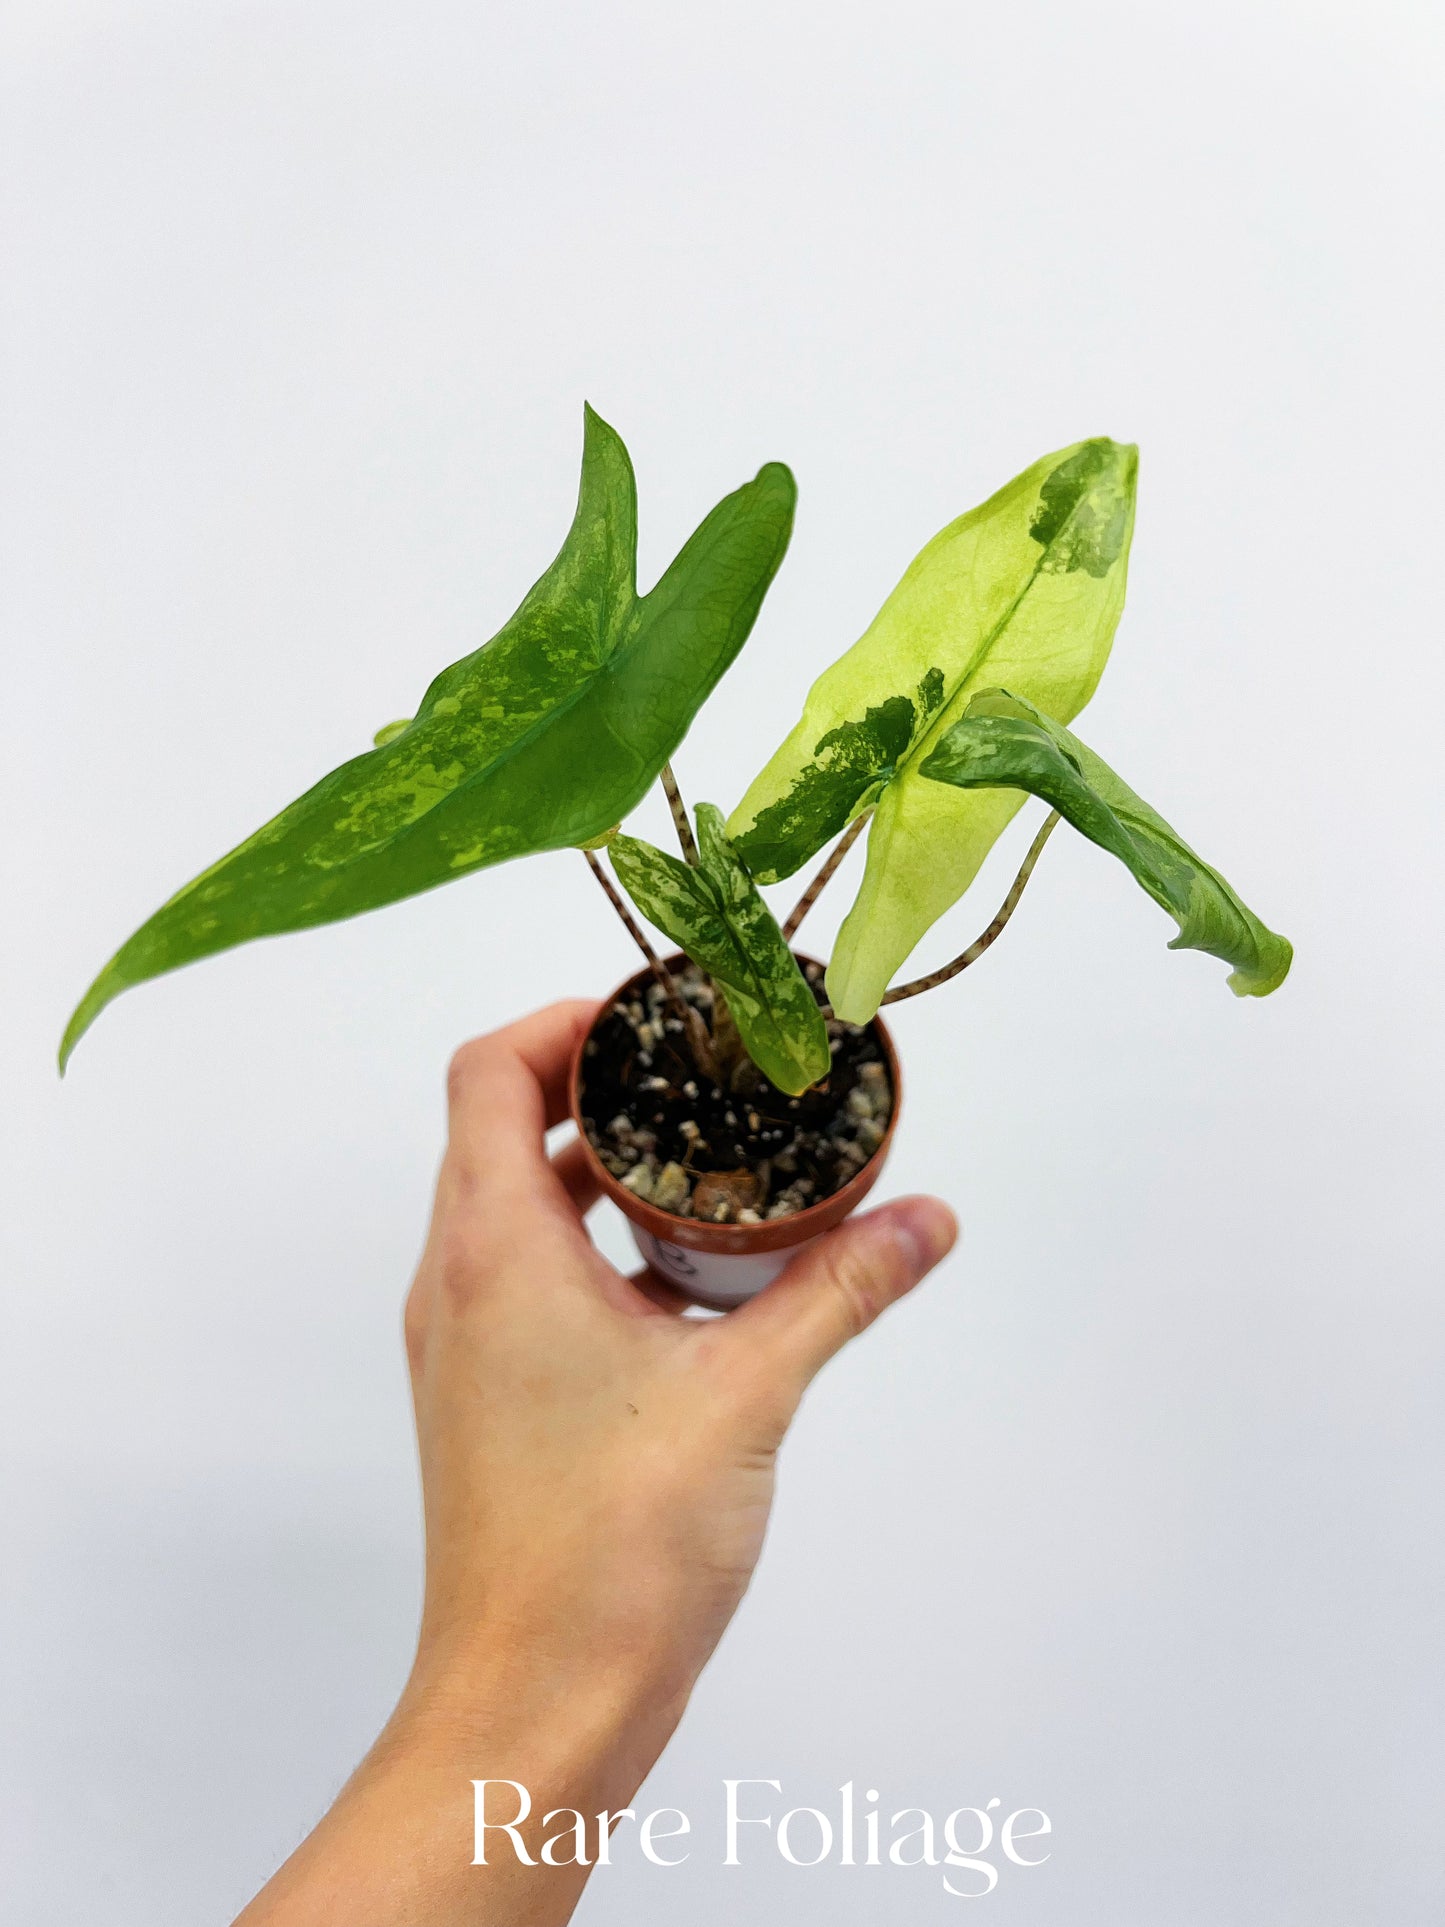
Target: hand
597,1472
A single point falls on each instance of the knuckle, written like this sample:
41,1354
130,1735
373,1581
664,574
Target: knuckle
858,1290
460,1180
414,1323
462,1259
468,1067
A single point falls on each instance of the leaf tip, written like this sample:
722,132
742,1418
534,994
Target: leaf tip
74,1031
778,475
101,992
601,841
595,426
850,1000
1263,982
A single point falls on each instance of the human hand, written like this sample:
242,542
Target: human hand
597,1472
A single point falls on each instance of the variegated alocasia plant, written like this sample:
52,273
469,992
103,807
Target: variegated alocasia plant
933,729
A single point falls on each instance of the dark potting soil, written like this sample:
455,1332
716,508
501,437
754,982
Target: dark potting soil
733,1155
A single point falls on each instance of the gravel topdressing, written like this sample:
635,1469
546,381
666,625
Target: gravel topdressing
726,1156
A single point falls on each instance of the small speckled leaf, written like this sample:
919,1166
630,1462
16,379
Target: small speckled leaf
543,738
714,913
1003,741
1026,589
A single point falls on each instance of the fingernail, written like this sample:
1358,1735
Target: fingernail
924,1227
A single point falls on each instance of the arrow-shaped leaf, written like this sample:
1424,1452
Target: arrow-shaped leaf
713,912
1004,742
544,737
1027,590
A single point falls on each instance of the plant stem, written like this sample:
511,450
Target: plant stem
694,1029
703,1048
815,888
679,815
976,949
634,929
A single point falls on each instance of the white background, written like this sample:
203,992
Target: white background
1135,1512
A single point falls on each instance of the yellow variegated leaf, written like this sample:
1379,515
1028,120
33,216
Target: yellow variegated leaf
1025,590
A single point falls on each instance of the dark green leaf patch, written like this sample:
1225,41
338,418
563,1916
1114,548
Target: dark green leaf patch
1082,519
848,762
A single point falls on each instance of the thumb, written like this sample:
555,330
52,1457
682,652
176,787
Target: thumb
837,1287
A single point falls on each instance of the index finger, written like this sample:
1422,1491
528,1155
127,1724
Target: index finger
505,1090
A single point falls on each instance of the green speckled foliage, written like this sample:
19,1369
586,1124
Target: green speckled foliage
714,913
1026,589
543,738
1004,742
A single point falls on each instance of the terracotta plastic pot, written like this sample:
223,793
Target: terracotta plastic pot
722,1265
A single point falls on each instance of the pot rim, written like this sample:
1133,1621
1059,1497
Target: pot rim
775,1234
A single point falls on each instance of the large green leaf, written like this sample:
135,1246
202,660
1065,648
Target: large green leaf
544,737
713,912
1026,589
1003,741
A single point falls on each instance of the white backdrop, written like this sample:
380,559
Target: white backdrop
1134,1513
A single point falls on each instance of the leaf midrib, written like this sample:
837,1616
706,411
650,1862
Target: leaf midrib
633,623
760,990
750,971
911,755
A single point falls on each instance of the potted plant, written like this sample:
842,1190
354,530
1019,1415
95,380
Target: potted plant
737,1097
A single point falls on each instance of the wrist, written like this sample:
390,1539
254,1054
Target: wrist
499,1706
405,1827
